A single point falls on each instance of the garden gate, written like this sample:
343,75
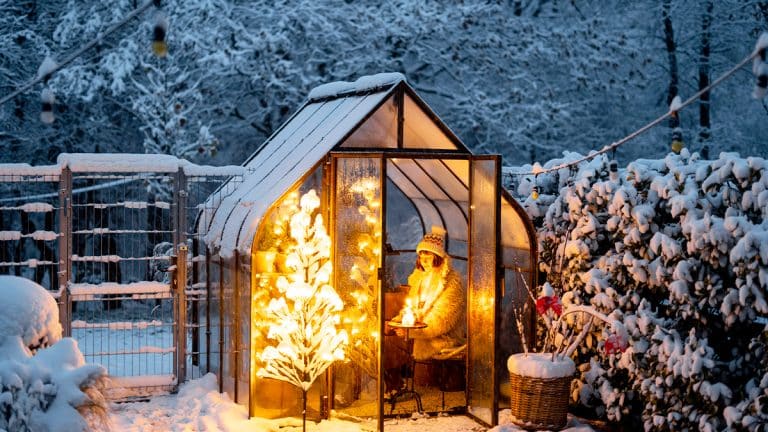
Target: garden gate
112,237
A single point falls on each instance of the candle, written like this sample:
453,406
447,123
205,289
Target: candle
408,318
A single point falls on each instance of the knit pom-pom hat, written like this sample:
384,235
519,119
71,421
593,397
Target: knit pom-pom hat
433,242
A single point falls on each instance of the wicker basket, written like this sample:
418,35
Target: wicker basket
539,403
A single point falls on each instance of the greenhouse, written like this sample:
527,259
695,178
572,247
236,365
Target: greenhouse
378,171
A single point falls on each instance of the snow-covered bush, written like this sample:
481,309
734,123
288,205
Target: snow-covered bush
29,311
45,384
677,249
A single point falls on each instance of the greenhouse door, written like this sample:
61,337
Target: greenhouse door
357,236
483,287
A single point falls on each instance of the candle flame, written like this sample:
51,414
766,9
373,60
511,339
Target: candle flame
408,317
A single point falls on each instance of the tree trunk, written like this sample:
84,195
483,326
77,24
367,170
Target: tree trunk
704,58
304,411
762,17
669,41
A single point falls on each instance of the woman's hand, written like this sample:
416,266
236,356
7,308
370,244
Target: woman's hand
389,330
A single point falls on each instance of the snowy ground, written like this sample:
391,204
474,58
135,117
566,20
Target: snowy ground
199,407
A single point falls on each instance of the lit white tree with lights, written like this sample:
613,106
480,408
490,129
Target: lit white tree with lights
305,318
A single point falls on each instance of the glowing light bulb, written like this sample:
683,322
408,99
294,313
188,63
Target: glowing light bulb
677,140
159,34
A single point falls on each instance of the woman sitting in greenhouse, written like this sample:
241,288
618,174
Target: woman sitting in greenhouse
436,298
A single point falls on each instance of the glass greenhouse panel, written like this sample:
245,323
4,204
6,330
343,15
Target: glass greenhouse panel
513,306
514,232
378,131
357,259
228,370
482,290
243,328
459,168
272,245
403,183
450,181
420,130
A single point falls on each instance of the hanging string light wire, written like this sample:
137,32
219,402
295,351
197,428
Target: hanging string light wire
48,73
758,51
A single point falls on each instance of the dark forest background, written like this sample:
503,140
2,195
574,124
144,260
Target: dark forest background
527,79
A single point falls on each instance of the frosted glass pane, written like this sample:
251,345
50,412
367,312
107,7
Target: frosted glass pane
357,258
416,171
513,228
243,328
227,323
482,290
512,304
420,131
378,131
265,264
449,181
455,220
460,168
402,181
429,214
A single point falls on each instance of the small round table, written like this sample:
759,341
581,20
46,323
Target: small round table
406,391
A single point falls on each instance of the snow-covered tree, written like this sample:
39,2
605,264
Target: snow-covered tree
676,249
305,318
525,80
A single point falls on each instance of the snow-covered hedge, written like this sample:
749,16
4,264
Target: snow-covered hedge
677,249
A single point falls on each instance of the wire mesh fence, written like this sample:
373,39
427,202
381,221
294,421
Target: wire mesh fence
29,226
114,248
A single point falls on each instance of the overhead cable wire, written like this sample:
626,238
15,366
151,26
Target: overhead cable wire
613,146
49,73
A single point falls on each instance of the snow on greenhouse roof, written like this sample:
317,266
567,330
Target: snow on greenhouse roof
370,83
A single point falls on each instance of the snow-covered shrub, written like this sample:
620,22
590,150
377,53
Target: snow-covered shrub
29,311
45,384
677,249
53,390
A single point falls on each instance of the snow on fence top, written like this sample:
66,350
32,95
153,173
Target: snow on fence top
119,163
22,169
368,82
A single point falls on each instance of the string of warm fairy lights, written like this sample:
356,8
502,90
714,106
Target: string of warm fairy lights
760,69
48,68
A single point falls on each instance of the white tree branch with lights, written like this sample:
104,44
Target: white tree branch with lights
304,320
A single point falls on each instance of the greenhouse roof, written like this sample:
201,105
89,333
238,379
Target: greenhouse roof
375,114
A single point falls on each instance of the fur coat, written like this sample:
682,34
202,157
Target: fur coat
440,302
